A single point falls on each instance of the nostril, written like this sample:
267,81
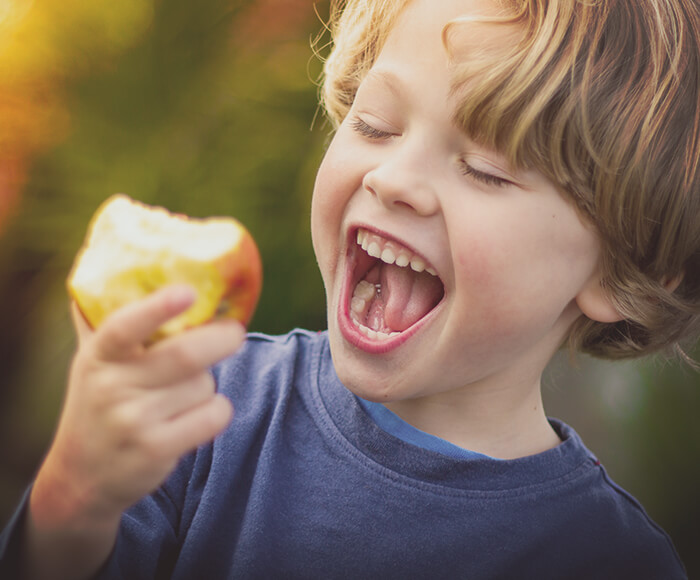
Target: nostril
403,204
368,186
395,187
385,191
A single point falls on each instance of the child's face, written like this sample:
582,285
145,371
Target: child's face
511,256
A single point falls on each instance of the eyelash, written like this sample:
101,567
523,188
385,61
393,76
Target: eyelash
485,178
367,130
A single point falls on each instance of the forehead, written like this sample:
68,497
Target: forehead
431,42
428,19
448,33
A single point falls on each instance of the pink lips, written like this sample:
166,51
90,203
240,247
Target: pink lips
349,331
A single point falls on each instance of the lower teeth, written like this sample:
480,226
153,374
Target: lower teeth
373,334
365,292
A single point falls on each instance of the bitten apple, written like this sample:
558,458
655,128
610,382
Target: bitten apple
132,249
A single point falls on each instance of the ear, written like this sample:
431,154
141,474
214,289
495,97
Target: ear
672,283
595,303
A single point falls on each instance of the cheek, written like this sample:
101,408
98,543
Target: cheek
322,204
328,204
513,277
488,259
484,292
476,263
330,185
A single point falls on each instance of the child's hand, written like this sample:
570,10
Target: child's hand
131,410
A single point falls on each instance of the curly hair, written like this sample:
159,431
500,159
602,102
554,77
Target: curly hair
602,97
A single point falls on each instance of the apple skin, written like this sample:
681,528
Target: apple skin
241,270
115,266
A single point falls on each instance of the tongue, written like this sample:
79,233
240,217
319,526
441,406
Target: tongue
407,295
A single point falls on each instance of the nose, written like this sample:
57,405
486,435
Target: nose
404,181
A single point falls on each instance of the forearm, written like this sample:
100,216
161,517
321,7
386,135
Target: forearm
63,555
61,540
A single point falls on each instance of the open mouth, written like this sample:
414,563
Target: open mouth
391,287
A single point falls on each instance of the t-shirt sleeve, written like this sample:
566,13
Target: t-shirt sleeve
10,539
148,541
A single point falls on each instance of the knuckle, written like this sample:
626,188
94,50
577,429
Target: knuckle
84,362
108,392
204,386
94,385
210,422
155,451
187,361
126,422
215,418
112,340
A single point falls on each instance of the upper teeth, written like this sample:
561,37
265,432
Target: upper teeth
391,252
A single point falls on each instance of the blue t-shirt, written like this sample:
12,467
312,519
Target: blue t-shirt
304,484
396,426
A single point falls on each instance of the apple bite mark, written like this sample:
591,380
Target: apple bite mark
389,291
133,249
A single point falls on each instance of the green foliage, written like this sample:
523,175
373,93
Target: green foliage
193,117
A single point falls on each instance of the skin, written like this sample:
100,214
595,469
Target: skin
130,413
518,265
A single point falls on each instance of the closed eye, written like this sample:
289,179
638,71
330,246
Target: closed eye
483,177
366,130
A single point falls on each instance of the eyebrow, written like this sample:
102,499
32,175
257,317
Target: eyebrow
387,80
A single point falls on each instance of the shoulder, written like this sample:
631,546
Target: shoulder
645,541
270,357
610,525
268,368
297,339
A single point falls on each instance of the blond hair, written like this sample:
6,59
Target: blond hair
603,97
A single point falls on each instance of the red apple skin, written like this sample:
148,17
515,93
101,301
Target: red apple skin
241,270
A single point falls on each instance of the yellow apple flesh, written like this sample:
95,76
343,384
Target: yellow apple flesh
132,249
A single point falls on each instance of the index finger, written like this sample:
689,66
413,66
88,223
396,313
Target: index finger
132,325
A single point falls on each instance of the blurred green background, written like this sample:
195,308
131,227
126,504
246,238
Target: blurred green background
209,108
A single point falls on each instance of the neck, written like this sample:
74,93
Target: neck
501,416
505,423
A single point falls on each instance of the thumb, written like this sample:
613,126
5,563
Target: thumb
82,327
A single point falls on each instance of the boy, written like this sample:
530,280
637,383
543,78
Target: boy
505,177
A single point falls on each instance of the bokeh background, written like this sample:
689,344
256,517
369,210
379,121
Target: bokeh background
210,108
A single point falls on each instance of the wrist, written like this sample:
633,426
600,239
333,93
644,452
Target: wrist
67,535
59,502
